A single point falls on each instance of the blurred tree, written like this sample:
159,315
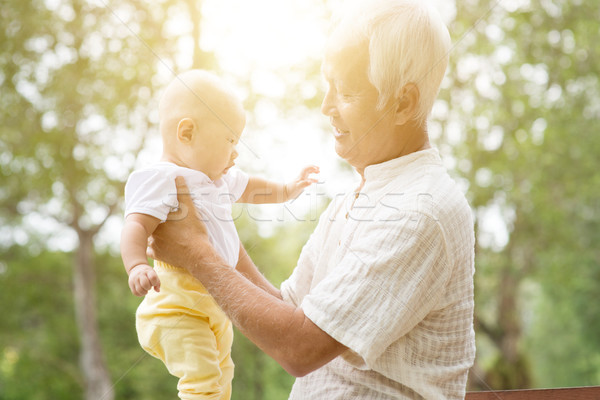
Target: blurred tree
520,116
36,325
78,80
77,102
39,348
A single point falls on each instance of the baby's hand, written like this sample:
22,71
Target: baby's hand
142,278
297,186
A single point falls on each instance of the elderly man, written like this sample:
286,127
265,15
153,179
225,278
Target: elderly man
380,305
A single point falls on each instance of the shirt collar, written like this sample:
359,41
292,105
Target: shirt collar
387,170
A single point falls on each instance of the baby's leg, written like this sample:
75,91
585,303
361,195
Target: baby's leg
193,340
189,349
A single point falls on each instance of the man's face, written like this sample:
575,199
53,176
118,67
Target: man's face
364,135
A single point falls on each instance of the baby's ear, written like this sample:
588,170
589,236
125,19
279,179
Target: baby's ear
185,130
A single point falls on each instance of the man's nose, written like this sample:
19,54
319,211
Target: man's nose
328,105
234,154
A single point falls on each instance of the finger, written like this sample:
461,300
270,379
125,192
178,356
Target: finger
311,169
307,182
184,196
145,282
139,291
184,199
150,252
150,247
155,282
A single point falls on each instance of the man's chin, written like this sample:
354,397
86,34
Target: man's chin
342,150
348,155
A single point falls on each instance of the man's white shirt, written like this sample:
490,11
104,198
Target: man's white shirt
389,274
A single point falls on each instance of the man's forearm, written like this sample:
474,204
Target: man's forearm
279,329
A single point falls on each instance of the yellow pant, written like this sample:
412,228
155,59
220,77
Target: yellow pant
183,326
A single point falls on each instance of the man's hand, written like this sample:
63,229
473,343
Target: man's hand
297,186
255,307
142,278
172,241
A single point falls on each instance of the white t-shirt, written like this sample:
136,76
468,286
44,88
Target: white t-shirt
152,191
391,278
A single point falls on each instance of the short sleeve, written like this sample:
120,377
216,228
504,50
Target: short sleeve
236,180
389,278
150,192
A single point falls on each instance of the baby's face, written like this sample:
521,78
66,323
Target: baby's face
208,144
214,148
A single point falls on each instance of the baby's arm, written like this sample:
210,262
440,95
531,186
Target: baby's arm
134,240
261,191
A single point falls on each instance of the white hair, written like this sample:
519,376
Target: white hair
408,43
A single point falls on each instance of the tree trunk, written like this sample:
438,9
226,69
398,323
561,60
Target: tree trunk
98,385
194,8
200,58
511,369
508,316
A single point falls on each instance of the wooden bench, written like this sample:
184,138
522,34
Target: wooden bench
574,393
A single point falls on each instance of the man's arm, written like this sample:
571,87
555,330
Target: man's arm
280,329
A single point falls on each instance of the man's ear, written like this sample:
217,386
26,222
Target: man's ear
185,130
407,104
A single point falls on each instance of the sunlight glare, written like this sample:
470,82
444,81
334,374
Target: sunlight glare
262,33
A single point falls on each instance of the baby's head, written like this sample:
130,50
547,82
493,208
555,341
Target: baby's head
201,121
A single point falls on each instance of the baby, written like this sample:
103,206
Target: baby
201,122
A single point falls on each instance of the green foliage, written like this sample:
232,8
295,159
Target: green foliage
522,103
525,94
39,340
77,83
